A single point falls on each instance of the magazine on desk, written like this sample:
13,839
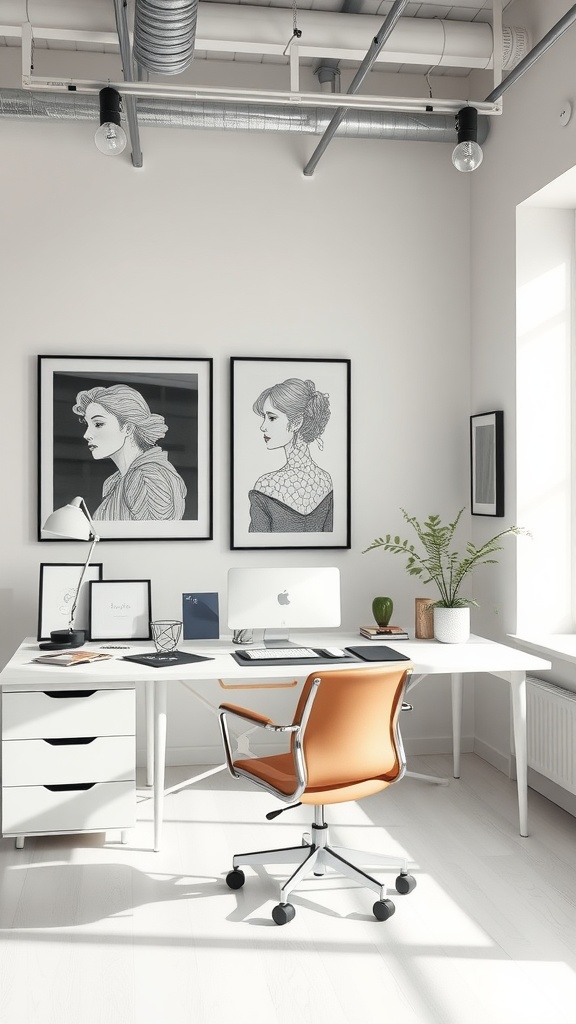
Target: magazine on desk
67,659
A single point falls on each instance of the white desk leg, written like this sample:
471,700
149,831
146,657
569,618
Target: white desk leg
518,690
160,697
457,691
150,685
437,780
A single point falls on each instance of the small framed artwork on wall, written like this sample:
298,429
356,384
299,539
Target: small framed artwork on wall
487,464
290,453
120,610
133,437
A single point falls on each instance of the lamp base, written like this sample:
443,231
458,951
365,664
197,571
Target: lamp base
64,639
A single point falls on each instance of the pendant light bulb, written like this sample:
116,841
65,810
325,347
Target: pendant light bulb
110,137
467,155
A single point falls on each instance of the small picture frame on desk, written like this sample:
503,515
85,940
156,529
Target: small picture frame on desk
487,464
120,610
57,591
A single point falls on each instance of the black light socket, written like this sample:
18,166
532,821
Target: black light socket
109,105
467,124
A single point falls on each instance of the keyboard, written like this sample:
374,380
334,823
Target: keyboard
283,653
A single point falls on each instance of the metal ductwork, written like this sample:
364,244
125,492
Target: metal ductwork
164,35
245,29
360,124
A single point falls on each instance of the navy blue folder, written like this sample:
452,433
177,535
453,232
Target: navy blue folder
200,617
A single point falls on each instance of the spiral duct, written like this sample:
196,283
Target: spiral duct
164,34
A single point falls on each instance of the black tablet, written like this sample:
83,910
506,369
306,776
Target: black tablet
377,652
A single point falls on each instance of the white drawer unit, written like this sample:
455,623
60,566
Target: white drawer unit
68,760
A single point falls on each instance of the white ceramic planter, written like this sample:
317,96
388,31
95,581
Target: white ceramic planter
452,625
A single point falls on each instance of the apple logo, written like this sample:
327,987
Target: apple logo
284,598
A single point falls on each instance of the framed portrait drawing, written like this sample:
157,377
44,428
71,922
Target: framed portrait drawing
132,436
120,610
290,453
487,464
58,585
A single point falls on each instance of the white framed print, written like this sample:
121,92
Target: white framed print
57,590
120,610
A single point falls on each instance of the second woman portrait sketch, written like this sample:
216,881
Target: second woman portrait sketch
120,426
298,497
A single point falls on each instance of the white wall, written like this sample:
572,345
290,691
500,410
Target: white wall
219,246
527,148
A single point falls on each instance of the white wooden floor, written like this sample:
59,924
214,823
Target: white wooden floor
92,931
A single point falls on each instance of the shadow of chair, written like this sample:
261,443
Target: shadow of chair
345,744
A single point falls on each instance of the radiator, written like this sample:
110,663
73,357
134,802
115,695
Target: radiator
551,732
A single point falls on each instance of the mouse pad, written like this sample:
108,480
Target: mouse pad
377,652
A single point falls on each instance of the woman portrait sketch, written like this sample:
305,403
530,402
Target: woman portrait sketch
298,497
120,426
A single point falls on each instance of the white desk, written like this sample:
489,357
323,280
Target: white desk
428,658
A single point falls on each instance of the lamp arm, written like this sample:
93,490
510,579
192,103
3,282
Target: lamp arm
82,577
95,538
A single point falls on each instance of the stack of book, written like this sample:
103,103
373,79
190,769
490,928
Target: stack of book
383,632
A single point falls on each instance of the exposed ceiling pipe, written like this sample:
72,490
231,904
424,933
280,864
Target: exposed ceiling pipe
164,34
362,124
328,75
364,69
129,101
328,70
240,28
555,32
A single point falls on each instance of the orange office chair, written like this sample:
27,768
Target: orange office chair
345,744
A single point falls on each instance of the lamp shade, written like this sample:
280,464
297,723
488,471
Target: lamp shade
74,522
70,521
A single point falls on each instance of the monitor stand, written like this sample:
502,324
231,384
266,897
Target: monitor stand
277,638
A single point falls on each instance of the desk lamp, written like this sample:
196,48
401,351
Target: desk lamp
74,522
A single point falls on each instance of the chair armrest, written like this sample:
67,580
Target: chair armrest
248,715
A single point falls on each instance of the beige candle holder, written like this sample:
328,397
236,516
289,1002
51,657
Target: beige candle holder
423,618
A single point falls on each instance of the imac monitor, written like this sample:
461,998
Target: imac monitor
283,599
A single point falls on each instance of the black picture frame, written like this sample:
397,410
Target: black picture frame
120,610
319,517
57,588
168,493
487,464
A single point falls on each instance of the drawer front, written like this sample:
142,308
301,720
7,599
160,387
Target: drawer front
37,715
39,763
30,809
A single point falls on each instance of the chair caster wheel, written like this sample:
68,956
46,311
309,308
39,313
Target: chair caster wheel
283,913
235,879
383,909
405,884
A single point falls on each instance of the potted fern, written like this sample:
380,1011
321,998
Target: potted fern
448,569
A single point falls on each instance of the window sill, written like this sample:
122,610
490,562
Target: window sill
559,645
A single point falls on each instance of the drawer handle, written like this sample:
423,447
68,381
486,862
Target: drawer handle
70,740
64,787
69,693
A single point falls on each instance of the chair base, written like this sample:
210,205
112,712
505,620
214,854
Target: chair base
315,857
